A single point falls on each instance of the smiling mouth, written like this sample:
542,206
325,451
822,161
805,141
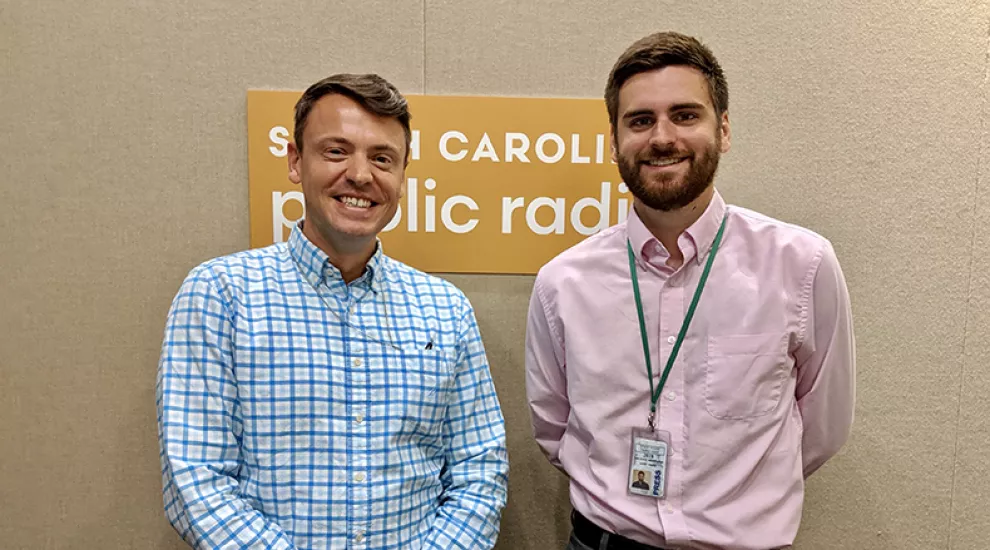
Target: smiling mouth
660,163
356,202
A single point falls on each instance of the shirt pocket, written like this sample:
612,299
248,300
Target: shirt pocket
745,374
419,388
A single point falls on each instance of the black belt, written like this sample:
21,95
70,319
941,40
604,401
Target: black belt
591,535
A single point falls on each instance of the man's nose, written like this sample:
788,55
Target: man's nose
664,134
359,170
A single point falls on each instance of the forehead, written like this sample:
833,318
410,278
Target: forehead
338,116
661,88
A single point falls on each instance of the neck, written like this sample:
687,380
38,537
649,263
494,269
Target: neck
351,265
667,226
350,256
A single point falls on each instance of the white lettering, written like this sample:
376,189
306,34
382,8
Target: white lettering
509,205
540,146
601,205
412,192
431,206
512,150
576,157
485,150
445,153
449,222
279,221
414,145
558,216
279,136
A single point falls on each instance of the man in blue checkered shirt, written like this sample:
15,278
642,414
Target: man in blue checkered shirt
317,393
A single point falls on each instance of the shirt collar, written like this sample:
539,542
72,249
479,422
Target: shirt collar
700,235
316,268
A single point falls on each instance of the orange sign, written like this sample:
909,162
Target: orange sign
494,184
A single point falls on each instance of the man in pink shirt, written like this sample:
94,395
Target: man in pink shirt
702,350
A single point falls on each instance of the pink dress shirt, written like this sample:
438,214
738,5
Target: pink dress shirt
760,396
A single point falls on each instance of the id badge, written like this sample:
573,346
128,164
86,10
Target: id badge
648,463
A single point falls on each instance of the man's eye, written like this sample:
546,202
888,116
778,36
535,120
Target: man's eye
640,122
382,159
685,117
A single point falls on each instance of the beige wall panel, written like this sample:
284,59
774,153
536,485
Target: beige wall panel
971,484
547,48
125,164
839,117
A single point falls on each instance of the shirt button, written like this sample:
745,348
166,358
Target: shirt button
359,418
357,362
359,536
671,339
671,396
669,509
359,477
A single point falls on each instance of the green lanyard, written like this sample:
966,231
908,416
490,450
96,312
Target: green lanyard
655,393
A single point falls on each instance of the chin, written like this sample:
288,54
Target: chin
356,233
667,191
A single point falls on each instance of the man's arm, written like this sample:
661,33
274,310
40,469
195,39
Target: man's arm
476,472
199,426
826,363
546,383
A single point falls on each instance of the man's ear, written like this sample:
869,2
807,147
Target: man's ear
726,132
294,160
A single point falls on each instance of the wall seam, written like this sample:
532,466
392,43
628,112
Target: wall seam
424,47
981,154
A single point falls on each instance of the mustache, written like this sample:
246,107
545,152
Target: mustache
655,154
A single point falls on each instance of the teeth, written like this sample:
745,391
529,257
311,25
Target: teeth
664,162
353,201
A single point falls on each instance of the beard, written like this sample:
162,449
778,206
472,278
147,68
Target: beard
663,191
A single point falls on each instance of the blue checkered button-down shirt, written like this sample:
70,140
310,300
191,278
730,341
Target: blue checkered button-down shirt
297,411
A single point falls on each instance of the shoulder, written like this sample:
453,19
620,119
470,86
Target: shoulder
771,235
240,268
755,222
421,287
597,252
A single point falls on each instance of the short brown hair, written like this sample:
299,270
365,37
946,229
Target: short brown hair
371,91
660,50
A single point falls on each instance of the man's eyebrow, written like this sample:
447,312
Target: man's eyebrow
337,140
689,105
387,147
333,140
685,106
636,113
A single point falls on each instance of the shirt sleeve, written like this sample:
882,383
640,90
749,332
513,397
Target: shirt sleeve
826,363
475,475
200,425
546,381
